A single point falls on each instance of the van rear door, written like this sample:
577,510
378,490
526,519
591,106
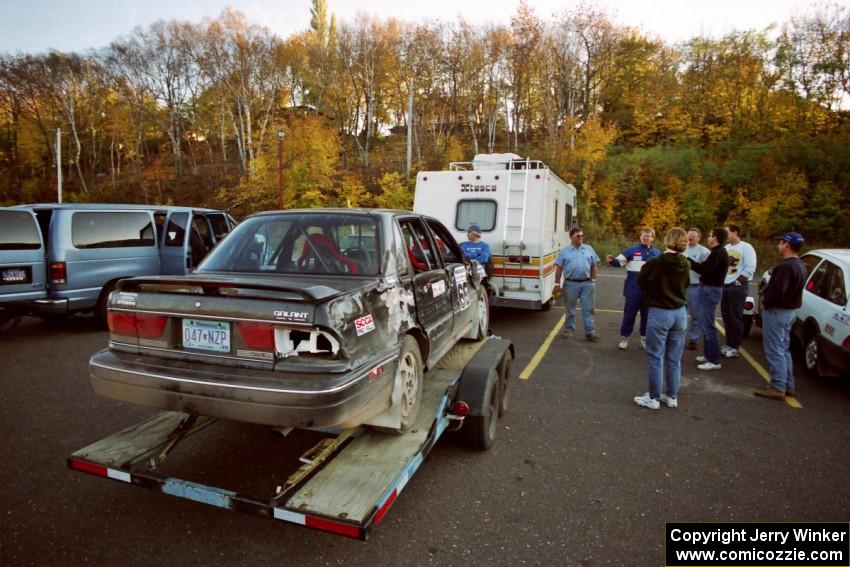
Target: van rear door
22,259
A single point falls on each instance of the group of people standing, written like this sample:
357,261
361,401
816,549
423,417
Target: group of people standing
688,278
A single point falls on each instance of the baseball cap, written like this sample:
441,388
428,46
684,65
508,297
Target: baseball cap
794,238
474,228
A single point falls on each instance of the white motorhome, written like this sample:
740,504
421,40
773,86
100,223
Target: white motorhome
525,213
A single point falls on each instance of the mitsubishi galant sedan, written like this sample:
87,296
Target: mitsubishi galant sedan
304,318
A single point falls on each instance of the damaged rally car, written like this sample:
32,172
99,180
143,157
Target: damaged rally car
305,318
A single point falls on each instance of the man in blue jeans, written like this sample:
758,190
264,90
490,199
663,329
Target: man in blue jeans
577,263
698,253
782,296
664,280
712,273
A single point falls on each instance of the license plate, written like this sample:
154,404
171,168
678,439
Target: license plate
11,275
206,335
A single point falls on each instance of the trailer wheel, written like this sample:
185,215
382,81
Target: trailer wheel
505,385
410,373
481,429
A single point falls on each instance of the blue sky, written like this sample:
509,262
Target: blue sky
38,25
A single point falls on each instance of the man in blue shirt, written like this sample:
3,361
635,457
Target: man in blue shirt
475,248
577,263
633,259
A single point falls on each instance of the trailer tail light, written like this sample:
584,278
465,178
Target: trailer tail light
460,409
138,325
846,343
748,305
58,273
259,336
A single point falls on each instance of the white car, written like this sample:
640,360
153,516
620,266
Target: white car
823,321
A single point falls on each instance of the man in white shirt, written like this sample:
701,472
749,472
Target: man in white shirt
698,253
742,266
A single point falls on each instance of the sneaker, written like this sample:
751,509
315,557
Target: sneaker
692,345
646,402
702,359
724,348
729,353
623,344
568,334
769,392
593,337
709,366
669,402
643,343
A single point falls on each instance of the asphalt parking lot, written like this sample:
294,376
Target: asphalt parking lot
579,475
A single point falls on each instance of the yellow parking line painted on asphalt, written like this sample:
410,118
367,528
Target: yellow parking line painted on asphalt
759,368
541,352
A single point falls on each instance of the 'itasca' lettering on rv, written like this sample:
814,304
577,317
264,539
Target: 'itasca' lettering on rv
471,188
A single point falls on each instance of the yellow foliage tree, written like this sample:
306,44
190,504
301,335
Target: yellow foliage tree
662,213
395,194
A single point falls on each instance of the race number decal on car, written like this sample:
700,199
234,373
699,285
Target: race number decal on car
462,287
364,325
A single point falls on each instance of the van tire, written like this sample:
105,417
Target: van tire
100,307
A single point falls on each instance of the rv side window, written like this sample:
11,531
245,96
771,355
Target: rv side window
112,230
568,217
476,211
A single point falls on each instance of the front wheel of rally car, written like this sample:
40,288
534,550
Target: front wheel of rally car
482,319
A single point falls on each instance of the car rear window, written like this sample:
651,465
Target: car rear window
112,229
300,243
18,231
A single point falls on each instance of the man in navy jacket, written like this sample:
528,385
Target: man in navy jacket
633,259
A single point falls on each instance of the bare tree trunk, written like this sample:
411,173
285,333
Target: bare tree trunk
409,127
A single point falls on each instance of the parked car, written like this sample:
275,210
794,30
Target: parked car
281,326
22,271
89,247
823,321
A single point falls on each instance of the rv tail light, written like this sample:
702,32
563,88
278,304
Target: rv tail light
58,273
519,259
259,336
460,409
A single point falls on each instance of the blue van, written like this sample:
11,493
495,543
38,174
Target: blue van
22,265
89,247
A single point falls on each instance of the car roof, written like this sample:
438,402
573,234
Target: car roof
111,206
338,210
839,254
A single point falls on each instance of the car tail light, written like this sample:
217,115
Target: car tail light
258,336
748,305
136,324
58,273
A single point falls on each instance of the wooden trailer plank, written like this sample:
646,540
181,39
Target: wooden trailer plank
138,441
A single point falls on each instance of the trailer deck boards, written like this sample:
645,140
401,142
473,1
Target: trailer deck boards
350,490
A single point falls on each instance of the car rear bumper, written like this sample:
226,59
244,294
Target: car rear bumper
256,396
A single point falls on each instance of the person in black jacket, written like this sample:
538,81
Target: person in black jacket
712,273
782,296
664,280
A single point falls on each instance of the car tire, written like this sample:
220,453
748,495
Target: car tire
483,318
480,430
410,377
811,354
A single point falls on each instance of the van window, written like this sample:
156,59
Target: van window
159,221
219,225
176,231
18,231
476,211
112,230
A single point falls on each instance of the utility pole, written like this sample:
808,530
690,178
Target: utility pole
280,135
59,164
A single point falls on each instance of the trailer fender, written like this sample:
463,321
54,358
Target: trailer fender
490,363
